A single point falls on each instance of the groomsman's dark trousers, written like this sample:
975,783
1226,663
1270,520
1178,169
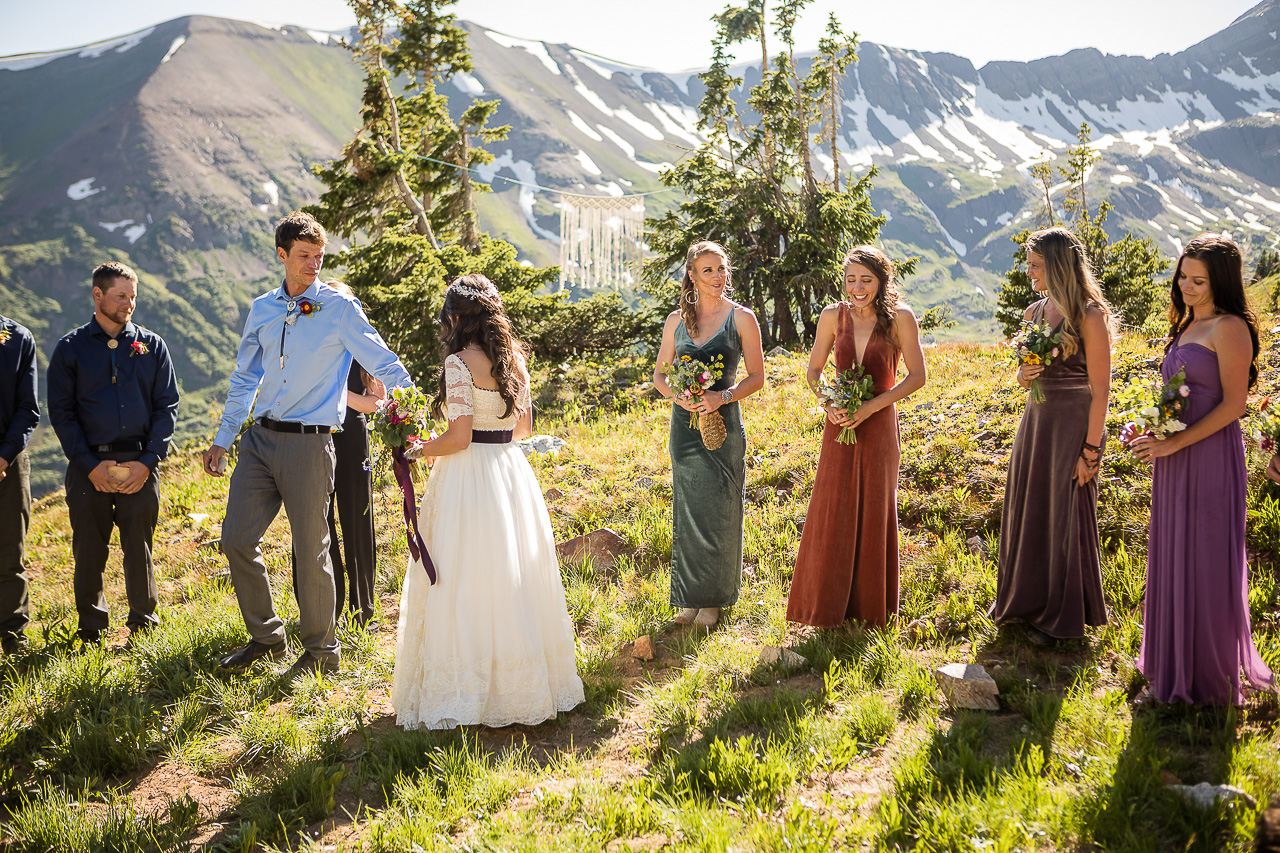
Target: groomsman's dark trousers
93,514
351,503
15,517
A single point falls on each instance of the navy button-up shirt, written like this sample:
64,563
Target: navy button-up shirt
99,395
19,412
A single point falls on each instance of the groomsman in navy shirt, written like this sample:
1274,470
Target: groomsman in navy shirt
295,354
19,415
113,401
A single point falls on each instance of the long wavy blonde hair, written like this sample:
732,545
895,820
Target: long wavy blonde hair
1069,282
688,309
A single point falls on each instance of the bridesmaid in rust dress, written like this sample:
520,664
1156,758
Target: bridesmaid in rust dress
847,567
1050,564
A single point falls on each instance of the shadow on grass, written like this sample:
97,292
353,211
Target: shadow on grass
1137,812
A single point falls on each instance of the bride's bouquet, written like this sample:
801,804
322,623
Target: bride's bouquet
690,379
847,390
1036,345
1153,414
399,421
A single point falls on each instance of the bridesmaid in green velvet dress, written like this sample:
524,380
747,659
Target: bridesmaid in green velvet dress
708,485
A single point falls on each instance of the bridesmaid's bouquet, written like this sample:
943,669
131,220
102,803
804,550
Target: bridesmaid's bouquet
847,390
1152,414
691,378
1267,429
399,421
1036,344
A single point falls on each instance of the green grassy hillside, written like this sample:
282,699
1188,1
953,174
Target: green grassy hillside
703,748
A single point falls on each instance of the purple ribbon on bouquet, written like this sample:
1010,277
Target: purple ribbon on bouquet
418,549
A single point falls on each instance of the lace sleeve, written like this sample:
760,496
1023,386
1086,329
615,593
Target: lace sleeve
459,395
524,402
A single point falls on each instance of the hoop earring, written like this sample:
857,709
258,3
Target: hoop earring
691,297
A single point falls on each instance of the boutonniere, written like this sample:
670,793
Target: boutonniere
138,348
4,337
304,307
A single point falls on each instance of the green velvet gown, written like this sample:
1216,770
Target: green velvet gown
708,487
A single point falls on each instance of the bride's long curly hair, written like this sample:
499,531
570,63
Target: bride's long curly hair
472,313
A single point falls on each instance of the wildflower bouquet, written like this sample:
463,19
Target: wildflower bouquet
1153,415
1036,344
401,417
691,378
847,390
1267,429
398,422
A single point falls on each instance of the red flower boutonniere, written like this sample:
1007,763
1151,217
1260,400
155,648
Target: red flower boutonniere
138,348
304,307
4,336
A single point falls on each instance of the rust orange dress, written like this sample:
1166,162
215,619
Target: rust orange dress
847,567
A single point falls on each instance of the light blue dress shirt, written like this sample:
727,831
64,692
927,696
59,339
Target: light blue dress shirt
297,363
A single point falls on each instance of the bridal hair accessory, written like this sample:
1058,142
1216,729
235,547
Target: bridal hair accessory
473,292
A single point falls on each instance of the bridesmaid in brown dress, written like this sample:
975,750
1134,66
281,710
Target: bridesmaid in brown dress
1050,572
847,567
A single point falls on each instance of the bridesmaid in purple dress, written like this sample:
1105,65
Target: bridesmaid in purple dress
1197,638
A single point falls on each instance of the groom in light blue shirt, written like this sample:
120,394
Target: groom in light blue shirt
295,353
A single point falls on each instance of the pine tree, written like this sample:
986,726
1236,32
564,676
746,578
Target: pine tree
753,185
402,193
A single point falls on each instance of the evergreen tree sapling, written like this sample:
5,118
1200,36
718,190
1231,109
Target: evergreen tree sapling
402,194
753,186
1127,269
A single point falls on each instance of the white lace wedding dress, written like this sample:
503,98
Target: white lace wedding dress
491,642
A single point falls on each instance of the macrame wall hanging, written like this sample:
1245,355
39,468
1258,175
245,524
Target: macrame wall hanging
600,240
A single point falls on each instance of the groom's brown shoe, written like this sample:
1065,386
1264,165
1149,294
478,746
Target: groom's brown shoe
248,654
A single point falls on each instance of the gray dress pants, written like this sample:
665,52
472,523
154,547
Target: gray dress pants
292,470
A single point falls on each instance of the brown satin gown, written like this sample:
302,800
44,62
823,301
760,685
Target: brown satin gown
1050,565
847,567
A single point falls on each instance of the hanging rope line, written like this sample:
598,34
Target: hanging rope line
537,187
601,236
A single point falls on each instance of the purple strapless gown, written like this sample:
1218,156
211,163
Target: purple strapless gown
1197,637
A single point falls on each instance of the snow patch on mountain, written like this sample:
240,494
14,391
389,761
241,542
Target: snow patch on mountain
537,48
119,45
670,126
173,48
627,147
83,189
576,121
467,84
587,163
524,172
27,61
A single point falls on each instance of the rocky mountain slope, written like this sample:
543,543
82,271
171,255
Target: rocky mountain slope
1189,141
176,147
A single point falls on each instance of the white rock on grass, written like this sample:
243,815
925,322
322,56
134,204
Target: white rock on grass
967,686
771,655
540,444
1206,796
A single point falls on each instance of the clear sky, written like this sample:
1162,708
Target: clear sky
676,34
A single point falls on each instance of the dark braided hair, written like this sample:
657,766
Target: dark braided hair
472,313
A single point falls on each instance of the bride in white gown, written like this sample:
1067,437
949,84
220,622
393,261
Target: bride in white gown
491,642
